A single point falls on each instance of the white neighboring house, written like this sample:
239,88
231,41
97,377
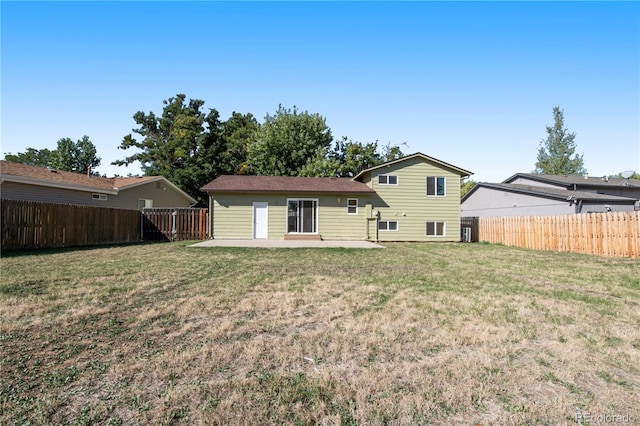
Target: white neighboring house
31,183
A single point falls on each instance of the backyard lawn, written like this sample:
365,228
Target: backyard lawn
412,334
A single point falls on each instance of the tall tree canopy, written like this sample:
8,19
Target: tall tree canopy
348,158
73,156
32,157
175,144
556,154
188,146
286,141
70,156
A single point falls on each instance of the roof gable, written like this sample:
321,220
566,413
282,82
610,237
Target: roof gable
245,183
34,175
435,161
552,193
571,180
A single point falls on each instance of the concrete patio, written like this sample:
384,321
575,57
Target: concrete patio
288,244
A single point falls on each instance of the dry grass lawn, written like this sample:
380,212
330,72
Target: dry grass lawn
413,334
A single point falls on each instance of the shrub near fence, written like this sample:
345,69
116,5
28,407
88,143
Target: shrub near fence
606,234
33,225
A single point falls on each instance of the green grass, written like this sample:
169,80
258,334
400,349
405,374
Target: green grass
412,334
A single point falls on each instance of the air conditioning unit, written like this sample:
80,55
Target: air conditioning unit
466,235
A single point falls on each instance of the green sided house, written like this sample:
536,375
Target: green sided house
415,198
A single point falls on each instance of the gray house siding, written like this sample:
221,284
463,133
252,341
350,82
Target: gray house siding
491,202
126,198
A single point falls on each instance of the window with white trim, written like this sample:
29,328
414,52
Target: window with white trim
387,225
436,229
387,180
436,186
302,216
144,203
352,206
101,197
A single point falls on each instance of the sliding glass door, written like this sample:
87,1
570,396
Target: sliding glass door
302,216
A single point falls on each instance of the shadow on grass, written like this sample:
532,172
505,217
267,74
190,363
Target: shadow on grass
58,250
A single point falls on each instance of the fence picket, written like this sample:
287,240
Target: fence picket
606,234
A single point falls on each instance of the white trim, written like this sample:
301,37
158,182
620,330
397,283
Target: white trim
456,170
387,175
356,206
389,230
436,186
317,216
435,228
253,219
145,203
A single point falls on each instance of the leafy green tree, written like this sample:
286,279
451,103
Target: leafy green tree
237,133
348,158
465,186
175,144
188,146
635,176
556,154
287,141
70,156
32,157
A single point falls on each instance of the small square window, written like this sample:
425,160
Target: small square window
101,197
388,225
436,186
387,179
436,229
352,206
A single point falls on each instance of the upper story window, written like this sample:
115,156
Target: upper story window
101,197
436,186
387,179
352,206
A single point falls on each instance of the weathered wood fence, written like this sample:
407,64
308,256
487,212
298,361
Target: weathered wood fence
605,234
30,225
34,225
174,224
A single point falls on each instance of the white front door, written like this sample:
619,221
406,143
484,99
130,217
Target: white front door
260,220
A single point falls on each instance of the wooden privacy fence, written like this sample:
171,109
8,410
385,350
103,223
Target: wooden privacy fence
174,224
33,225
606,234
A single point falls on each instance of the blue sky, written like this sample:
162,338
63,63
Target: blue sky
470,83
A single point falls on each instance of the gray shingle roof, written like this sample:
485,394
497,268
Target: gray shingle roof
559,193
570,180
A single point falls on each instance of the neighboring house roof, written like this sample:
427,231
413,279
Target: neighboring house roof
458,170
571,180
33,175
244,183
552,193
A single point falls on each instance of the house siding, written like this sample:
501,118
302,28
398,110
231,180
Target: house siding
233,215
491,202
408,204
126,198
